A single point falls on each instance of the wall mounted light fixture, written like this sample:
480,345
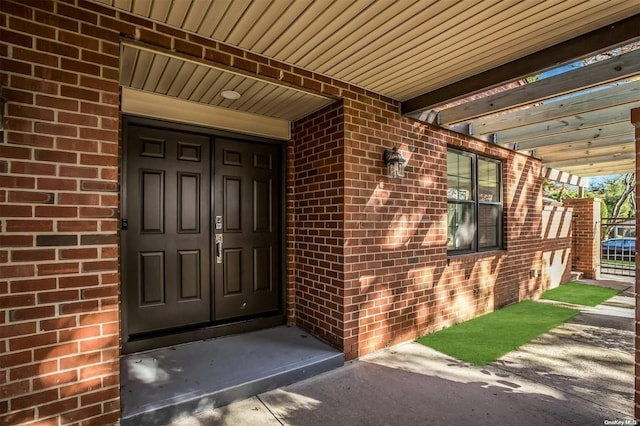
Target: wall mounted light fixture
394,161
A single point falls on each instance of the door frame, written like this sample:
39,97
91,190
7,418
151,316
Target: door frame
189,334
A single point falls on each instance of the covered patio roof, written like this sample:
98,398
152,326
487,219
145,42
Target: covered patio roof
426,55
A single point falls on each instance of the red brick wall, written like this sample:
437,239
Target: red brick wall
586,235
395,228
59,199
398,282
318,223
366,256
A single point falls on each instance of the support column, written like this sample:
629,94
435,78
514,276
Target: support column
586,235
635,120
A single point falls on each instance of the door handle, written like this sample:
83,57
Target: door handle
219,248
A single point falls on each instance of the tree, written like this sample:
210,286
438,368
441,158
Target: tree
618,193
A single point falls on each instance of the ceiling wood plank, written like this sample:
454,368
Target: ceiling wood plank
617,68
156,69
366,42
169,75
298,30
159,11
254,21
586,147
142,67
617,114
128,60
607,37
283,23
500,42
616,167
611,130
311,28
212,17
122,4
584,150
590,160
212,95
203,85
524,35
370,24
183,78
605,98
421,39
196,15
233,13
179,11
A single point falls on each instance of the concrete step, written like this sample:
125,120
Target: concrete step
159,387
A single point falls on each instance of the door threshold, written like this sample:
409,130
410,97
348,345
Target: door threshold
201,333
163,385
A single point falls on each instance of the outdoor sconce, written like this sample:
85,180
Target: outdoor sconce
394,161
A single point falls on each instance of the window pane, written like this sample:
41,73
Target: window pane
488,222
459,176
461,227
488,181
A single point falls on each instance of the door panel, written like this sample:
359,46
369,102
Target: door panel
246,196
168,238
175,275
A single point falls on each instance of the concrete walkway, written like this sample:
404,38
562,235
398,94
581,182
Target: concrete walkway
580,373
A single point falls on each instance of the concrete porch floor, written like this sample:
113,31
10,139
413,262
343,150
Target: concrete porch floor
159,387
580,373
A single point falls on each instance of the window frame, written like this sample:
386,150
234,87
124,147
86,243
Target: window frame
476,203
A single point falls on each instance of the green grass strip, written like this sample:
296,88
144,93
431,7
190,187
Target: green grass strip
580,294
486,338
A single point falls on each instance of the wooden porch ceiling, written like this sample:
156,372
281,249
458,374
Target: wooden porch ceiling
405,49
577,122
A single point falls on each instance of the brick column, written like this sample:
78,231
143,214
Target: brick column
635,119
59,183
586,235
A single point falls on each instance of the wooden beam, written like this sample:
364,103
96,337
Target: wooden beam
605,38
591,160
627,166
587,144
617,114
562,153
579,104
465,129
599,73
594,134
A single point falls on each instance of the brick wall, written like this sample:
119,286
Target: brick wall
635,120
319,222
586,235
59,199
366,256
398,282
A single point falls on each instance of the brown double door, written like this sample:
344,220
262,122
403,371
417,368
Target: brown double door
201,234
